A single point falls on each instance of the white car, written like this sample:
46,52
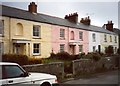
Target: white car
12,74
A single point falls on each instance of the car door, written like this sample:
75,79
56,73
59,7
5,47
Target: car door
2,81
15,76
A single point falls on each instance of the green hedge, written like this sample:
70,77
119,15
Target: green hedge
20,59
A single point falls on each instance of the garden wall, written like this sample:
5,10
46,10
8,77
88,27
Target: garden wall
56,68
90,66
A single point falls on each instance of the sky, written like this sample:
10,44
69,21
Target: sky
100,12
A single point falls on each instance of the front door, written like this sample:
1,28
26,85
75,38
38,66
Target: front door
19,48
72,49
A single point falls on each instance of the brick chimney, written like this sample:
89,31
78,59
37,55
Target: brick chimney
72,17
109,26
32,7
85,21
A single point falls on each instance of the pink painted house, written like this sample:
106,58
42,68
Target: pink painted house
78,41
59,38
66,37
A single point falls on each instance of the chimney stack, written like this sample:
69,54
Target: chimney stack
32,7
72,17
109,26
85,21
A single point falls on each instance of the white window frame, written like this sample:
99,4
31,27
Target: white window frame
36,31
94,37
62,33
1,48
110,38
62,47
2,27
37,48
105,37
80,35
115,39
94,48
81,48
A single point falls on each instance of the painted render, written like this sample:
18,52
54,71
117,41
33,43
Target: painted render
25,37
106,43
94,42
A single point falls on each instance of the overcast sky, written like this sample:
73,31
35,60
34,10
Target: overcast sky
99,12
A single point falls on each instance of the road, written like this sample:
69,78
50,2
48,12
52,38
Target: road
110,78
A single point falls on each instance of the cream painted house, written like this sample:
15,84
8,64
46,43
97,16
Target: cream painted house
109,40
25,36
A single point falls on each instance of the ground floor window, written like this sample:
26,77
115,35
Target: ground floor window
94,48
36,48
80,48
62,46
1,48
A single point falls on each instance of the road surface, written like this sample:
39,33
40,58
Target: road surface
110,78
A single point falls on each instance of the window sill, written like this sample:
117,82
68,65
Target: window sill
36,37
62,38
80,39
36,54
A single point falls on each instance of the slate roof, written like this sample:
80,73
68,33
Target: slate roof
38,17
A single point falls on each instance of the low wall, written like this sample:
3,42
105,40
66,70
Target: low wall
89,66
56,68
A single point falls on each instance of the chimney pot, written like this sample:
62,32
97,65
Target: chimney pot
32,7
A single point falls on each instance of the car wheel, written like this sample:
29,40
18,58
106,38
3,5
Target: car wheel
46,84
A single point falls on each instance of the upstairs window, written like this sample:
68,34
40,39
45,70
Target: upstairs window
110,38
115,39
36,31
1,27
81,35
62,33
94,37
105,38
72,35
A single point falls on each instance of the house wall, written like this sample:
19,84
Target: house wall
108,42
11,33
56,40
94,43
77,40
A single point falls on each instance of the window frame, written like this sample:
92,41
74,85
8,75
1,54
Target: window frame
2,28
81,35
62,33
80,48
1,48
115,39
94,37
62,47
36,31
36,49
110,38
105,37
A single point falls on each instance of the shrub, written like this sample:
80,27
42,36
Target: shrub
109,50
20,59
93,56
34,61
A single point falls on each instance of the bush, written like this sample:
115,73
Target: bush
93,56
109,50
34,61
20,59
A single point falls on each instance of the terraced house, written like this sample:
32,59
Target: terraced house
37,35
